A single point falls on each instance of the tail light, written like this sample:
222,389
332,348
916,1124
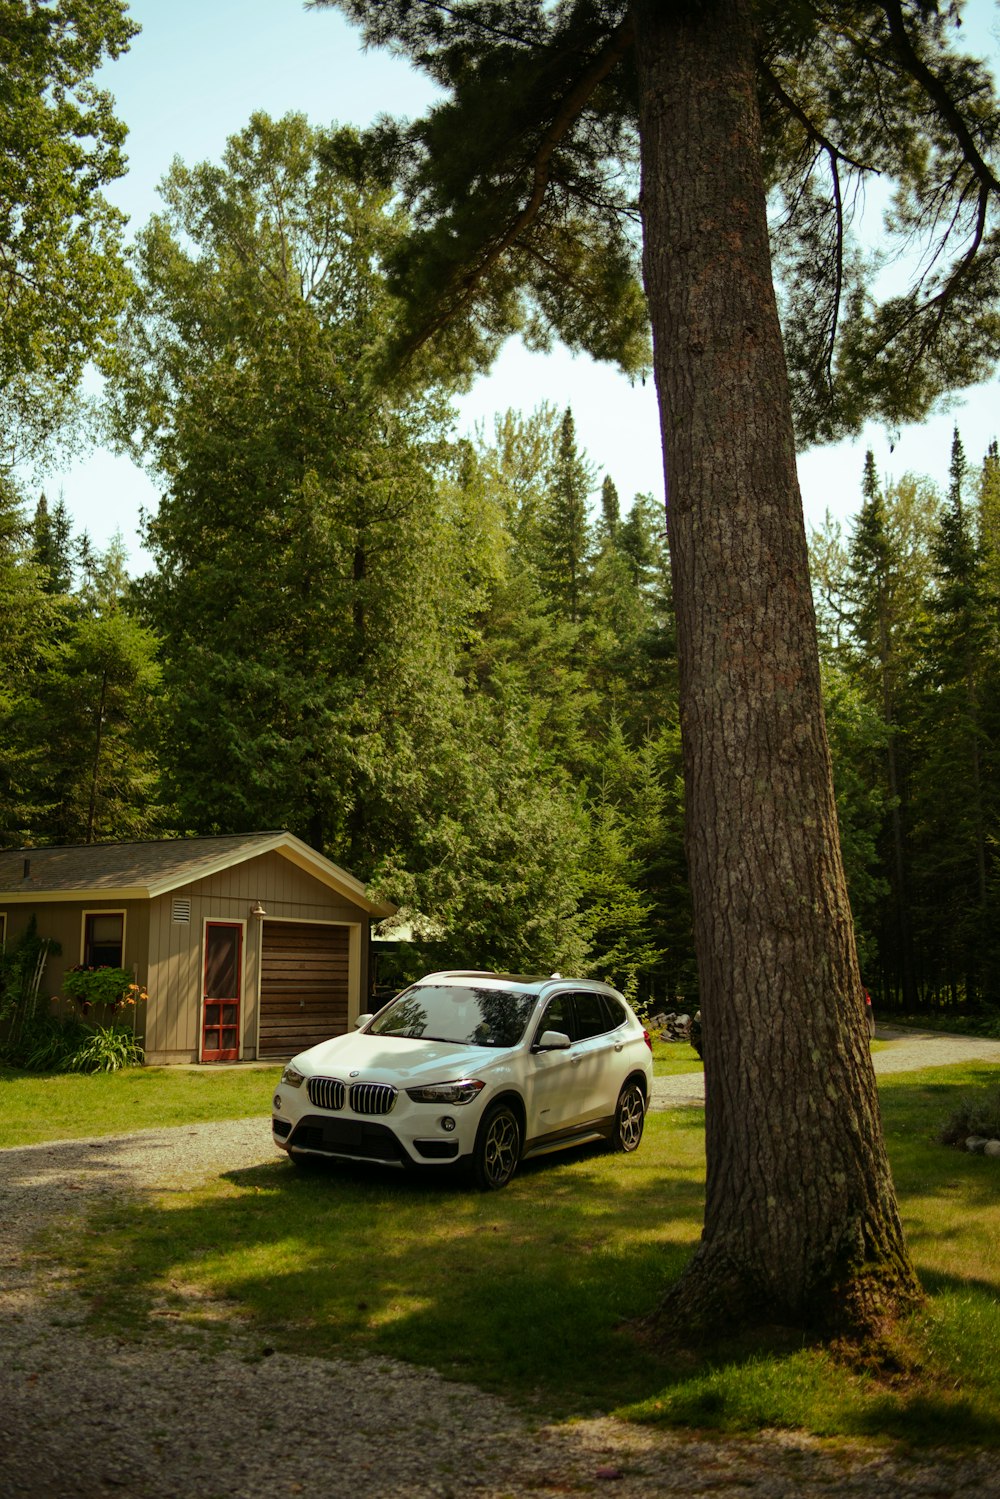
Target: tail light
647,1038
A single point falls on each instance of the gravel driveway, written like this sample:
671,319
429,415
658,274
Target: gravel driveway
84,1417
908,1051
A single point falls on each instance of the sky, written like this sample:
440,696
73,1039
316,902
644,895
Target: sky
192,78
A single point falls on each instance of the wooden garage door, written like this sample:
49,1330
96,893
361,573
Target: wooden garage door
303,988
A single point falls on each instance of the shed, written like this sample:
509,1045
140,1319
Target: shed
251,946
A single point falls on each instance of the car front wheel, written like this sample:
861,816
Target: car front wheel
630,1116
498,1148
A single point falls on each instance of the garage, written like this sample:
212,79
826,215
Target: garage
303,986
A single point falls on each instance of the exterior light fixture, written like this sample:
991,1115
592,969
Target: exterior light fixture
257,910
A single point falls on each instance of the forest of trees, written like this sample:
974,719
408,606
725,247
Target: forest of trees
450,664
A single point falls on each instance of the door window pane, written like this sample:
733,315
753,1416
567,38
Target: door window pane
222,944
556,1017
590,1017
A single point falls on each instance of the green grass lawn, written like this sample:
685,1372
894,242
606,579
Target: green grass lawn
673,1057
74,1106
534,1292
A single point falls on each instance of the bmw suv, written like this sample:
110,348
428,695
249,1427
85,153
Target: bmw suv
485,1069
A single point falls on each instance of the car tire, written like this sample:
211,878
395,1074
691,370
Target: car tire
497,1149
630,1117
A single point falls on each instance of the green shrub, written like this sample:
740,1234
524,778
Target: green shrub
97,986
50,1044
22,1004
46,1044
977,1114
106,1048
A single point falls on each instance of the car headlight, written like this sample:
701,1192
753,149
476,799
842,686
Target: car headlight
292,1077
463,1091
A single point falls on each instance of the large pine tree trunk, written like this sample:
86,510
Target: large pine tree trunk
801,1220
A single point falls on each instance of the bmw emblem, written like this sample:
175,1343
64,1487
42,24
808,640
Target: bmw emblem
352,1074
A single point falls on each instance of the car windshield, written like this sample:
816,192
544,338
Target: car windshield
457,1012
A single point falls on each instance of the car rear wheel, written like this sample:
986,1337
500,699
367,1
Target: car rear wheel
630,1116
498,1148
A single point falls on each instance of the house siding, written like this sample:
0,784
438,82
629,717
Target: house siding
173,1032
167,955
62,922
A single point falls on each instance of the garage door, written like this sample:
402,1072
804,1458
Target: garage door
303,987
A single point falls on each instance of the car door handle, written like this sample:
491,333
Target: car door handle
575,1061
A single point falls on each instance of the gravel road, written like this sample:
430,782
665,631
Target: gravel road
84,1417
908,1051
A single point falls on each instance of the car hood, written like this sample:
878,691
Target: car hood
396,1059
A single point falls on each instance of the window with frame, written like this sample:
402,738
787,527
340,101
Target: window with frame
591,1016
104,939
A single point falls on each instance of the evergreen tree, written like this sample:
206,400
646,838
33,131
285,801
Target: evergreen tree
565,526
26,619
958,763
989,515
610,508
52,533
523,214
304,586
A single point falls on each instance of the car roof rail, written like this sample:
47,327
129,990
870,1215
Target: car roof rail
460,973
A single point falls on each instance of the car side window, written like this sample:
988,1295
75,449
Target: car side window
591,1017
557,1016
615,1011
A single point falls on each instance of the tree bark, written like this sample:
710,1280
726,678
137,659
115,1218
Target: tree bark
801,1222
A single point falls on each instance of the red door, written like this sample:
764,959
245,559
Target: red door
220,1039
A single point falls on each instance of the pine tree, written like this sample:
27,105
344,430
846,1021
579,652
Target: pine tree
565,526
522,185
52,533
959,655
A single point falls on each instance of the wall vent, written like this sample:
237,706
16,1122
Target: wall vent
180,911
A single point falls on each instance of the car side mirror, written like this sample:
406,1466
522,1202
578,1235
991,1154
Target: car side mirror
552,1041
362,1020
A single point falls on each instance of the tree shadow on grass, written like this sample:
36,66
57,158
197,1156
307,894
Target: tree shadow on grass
529,1292
532,1292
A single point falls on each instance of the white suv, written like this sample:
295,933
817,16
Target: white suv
484,1068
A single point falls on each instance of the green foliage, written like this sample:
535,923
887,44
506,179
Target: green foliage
54,1044
99,986
105,1048
976,1114
23,1007
47,1044
61,274
300,581
522,182
51,535
908,610
81,720
857,744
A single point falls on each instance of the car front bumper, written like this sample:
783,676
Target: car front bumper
407,1134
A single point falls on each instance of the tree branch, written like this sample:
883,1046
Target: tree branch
459,296
936,91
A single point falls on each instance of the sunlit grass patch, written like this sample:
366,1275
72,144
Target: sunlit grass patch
71,1106
531,1290
671,1058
